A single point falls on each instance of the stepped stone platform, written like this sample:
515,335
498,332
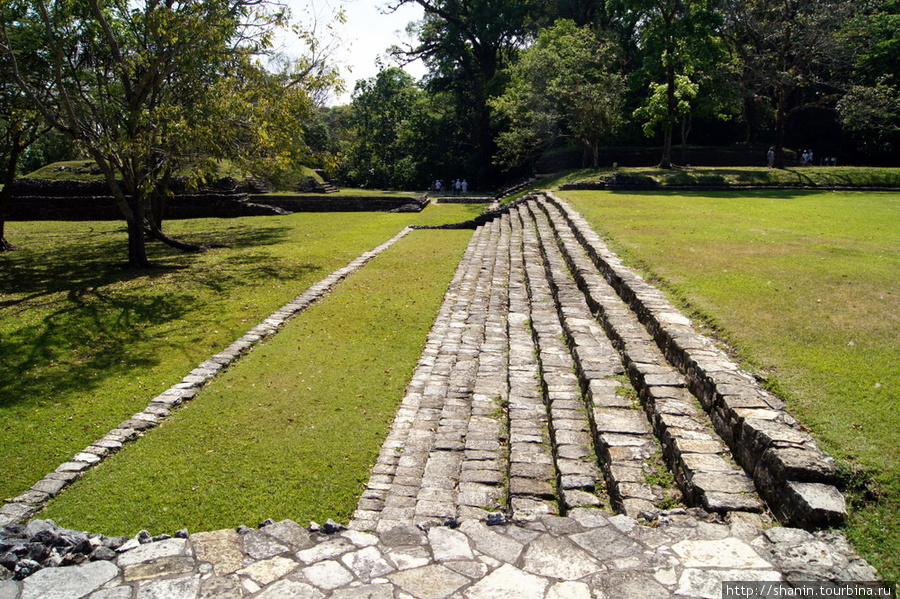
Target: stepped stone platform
566,434
555,378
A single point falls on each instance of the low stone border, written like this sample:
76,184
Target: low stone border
30,502
342,203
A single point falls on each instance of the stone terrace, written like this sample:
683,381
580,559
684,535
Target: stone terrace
555,378
557,388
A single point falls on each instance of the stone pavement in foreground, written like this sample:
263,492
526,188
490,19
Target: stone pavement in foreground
548,447
586,555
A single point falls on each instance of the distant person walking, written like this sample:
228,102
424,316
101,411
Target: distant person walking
465,186
770,157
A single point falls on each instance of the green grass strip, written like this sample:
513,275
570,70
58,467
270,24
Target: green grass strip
808,176
85,343
291,430
805,286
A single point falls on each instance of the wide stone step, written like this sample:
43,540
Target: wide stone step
467,436
622,438
389,497
700,462
576,465
532,472
796,479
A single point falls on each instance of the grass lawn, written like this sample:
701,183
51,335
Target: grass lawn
85,343
293,429
806,287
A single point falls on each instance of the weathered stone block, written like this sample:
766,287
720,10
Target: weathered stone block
815,504
722,482
714,501
613,420
703,462
800,464
532,487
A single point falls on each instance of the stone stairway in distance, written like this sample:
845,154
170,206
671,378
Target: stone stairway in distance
547,385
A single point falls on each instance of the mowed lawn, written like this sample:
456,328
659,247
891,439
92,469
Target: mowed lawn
805,286
85,343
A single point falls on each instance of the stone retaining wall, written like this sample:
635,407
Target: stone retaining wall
103,207
343,203
465,199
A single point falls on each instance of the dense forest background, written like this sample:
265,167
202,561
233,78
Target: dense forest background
587,80
513,87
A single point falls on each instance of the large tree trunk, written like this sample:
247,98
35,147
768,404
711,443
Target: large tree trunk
158,198
751,120
781,117
6,193
666,160
595,155
132,208
672,111
137,249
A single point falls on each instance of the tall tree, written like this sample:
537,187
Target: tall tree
19,128
130,84
382,107
564,85
466,44
791,56
679,41
20,124
871,109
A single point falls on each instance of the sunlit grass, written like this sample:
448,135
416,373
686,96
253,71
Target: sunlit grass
293,429
85,343
805,286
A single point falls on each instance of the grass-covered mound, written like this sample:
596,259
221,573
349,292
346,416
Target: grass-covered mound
807,176
86,170
805,286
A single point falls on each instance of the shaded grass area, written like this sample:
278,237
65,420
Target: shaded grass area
806,287
293,429
85,343
812,176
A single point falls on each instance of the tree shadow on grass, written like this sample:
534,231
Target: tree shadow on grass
95,260
90,336
71,318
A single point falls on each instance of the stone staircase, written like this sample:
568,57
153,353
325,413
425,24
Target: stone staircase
554,378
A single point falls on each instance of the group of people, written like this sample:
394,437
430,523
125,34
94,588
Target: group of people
457,186
806,158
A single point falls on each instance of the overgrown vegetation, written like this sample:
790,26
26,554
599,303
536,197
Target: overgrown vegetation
804,286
